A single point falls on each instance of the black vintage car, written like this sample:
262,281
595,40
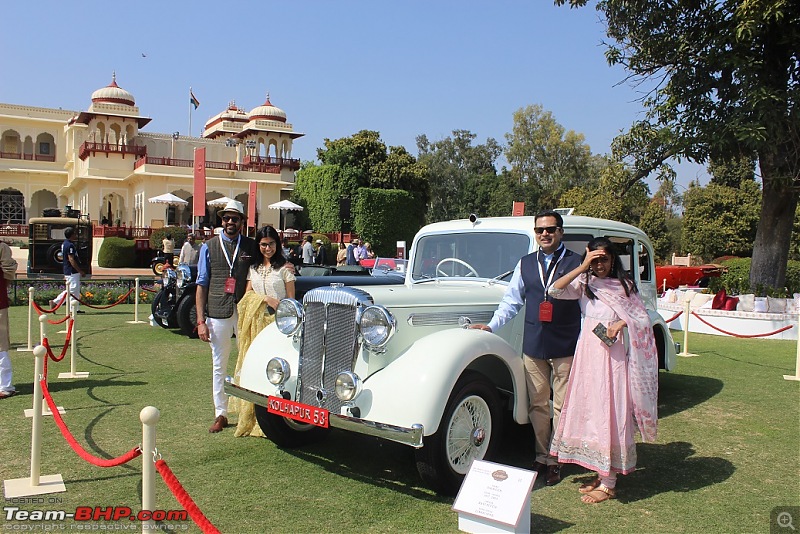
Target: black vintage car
174,305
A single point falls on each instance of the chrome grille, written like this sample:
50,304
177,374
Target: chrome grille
329,342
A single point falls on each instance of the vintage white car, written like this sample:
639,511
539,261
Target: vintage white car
396,362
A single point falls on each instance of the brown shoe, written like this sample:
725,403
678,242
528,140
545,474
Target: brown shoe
553,475
7,394
219,423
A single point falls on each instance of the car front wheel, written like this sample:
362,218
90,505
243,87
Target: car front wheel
288,433
187,315
469,430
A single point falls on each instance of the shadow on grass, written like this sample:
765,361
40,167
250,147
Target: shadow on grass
677,393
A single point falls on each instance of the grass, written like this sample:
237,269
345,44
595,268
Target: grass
727,452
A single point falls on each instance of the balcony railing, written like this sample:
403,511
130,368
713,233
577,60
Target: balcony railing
265,165
90,149
256,161
29,157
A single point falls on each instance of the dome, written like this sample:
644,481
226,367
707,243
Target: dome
268,112
113,94
232,113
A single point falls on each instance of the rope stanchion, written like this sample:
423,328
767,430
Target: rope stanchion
184,499
36,484
688,309
62,426
73,362
94,307
43,409
136,306
149,417
778,331
30,321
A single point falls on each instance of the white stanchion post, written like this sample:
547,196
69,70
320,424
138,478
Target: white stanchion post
796,376
149,417
30,321
36,484
687,311
68,308
73,362
136,306
44,409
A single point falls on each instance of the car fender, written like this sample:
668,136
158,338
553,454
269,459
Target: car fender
268,344
658,324
415,387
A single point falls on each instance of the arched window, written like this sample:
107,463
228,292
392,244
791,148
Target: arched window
12,207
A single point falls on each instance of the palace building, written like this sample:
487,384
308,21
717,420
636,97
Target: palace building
100,162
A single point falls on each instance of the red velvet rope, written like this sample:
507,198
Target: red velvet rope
674,317
100,462
119,301
184,499
59,321
40,310
148,290
778,331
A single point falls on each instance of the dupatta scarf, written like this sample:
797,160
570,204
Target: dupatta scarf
643,355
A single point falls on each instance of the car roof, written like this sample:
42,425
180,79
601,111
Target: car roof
526,224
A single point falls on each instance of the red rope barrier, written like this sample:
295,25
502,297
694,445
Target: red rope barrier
40,310
674,317
100,462
119,301
778,331
59,321
149,290
184,499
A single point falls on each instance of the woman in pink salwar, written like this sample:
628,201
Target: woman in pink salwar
611,391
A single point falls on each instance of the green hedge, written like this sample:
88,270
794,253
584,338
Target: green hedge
385,216
117,252
178,234
737,279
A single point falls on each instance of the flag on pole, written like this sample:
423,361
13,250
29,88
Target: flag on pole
193,99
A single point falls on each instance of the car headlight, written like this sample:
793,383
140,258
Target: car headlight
278,371
376,326
347,386
289,316
184,274
166,276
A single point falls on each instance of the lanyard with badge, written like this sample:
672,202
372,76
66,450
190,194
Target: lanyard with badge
230,283
546,307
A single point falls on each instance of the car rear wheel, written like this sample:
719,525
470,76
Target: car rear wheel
286,432
469,430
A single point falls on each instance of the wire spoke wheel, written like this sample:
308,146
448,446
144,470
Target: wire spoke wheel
468,433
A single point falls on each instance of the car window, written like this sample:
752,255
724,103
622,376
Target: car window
487,254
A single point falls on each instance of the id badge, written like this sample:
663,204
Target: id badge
546,312
230,285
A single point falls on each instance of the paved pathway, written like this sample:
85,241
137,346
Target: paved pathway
21,255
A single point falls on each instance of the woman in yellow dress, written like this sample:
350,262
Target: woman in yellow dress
268,281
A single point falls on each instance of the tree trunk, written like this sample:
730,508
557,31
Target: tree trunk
773,236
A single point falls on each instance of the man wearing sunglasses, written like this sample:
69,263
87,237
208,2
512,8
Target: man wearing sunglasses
221,282
551,331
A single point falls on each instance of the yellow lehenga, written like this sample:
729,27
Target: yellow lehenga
253,318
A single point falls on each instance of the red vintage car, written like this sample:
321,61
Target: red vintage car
674,276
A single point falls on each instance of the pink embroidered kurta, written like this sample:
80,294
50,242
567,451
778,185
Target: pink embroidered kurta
610,391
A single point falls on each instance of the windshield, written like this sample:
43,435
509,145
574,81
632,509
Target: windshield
474,254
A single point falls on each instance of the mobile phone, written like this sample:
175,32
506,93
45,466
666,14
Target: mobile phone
601,331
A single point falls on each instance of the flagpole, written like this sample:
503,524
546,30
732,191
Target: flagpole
190,112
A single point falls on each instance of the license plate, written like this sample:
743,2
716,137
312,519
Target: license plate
297,411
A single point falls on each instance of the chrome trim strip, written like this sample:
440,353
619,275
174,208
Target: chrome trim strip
448,318
407,436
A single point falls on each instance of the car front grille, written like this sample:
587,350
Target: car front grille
330,342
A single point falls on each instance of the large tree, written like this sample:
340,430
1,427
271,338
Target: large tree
722,78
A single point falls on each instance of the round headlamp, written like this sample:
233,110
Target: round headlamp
184,274
278,371
166,275
289,316
347,386
376,326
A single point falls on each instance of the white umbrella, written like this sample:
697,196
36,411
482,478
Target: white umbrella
170,200
221,201
285,205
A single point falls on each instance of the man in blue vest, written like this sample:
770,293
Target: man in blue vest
72,270
221,282
551,331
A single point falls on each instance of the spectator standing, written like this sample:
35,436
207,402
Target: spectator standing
169,249
551,331
360,252
9,267
221,282
341,255
72,270
322,253
308,251
370,255
190,251
351,252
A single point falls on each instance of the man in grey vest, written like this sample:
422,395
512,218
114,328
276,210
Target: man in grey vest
221,282
551,331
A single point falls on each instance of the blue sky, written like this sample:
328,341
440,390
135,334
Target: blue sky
401,68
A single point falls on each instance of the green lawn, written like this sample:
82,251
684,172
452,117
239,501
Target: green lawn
728,450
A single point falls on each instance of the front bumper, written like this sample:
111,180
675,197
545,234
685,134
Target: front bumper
407,436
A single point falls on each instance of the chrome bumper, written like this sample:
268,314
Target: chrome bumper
407,436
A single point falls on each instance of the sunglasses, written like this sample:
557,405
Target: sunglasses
231,218
543,229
